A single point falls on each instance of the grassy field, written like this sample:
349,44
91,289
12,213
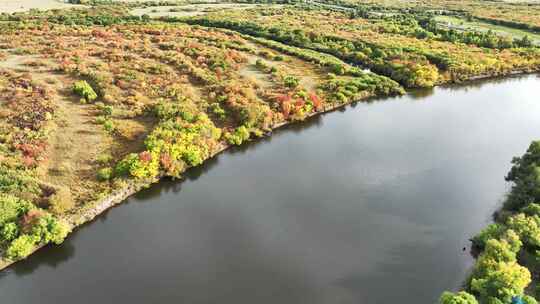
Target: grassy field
188,10
462,24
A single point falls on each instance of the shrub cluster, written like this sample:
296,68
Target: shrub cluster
347,90
84,90
24,226
184,137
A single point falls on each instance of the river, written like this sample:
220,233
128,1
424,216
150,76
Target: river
372,204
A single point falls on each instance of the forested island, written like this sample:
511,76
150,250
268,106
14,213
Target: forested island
100,100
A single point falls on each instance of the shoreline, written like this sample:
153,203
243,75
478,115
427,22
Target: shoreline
509,74
118,196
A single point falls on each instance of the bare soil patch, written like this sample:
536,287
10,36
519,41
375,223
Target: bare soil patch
14,6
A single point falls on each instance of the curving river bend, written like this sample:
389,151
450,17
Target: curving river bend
373,204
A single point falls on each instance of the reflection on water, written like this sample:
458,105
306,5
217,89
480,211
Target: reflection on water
369,205
50,258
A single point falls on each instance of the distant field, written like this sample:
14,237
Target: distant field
188,10
458,23
12,6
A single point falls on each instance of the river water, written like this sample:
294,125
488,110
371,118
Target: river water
373,204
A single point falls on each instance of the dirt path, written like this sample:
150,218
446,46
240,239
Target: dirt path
76,140
75,145
190,10
251,72
306,74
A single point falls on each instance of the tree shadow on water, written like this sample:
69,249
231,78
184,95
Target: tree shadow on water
51,255
479,83
295,127
420,94
174,185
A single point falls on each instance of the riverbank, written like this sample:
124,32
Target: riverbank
92,210
506,248
390,194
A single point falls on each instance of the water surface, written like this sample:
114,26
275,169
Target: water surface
373,204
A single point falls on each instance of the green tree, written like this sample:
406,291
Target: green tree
504,281
48,229
531,209
21,247
527,227
529,300
83,89
524,42
240,135
492,231
105,174
9,208
457,298
9,232
291,81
